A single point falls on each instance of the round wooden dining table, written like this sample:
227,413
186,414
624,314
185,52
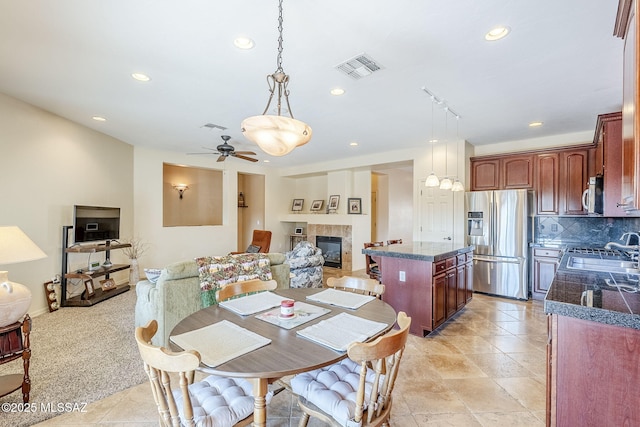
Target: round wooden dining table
288,353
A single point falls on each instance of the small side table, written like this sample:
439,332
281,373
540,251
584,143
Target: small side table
14,344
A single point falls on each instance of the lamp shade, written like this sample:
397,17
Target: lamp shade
276,135
446,184
432,180
16,247
15,298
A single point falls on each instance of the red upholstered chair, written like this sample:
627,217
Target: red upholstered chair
261,240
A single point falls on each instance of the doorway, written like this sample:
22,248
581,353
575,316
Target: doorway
250,207
436,214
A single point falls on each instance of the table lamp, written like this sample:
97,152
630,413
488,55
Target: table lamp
15,298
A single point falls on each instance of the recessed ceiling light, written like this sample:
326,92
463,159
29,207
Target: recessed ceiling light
535,124
497,33
267,161
140,77
99,119
353,144
337,91
433,141
244,43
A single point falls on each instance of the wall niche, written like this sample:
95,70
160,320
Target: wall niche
200,203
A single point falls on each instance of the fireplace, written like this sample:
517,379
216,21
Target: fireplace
331,250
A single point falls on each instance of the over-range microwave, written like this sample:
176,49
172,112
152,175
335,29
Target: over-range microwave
593,196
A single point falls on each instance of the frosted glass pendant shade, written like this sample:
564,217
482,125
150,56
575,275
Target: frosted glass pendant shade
446,184
276,135
457,186
432,181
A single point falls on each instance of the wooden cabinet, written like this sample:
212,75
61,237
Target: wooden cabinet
627,28
514,171
573,179
430,293
547,184
608,139
517,171
485,175
15,344
592,373
545,264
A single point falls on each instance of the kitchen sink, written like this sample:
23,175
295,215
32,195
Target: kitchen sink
604,265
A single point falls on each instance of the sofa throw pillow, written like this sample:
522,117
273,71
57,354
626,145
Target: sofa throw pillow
253,249
153,274
215,272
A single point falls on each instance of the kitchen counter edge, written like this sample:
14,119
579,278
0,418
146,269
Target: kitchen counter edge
420,251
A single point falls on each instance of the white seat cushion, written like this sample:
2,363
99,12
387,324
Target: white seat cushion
218,401
333,389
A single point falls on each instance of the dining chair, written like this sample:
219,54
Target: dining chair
372,267
213,401
357,391
358,285
394,242
245,287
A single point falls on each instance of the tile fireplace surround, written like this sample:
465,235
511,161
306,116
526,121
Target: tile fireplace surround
343,231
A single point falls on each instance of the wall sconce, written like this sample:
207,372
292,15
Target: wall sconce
181,188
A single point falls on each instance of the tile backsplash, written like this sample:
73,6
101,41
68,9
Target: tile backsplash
587,231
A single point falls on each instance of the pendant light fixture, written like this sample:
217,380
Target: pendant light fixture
432,179
277,135
445,183
457,185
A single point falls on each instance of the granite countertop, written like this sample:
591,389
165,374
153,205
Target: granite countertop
421,251
615,297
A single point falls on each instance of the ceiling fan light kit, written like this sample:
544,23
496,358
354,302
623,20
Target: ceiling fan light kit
277,135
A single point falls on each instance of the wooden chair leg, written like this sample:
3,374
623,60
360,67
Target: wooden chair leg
304,419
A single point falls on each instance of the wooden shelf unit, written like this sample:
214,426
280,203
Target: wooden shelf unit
85,274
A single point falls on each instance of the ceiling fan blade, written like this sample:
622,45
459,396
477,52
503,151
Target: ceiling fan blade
251,153
221,158
201,153
240,156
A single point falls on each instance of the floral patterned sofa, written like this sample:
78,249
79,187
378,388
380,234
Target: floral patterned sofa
305,262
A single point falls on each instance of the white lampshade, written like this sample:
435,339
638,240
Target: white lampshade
432,180
276,135
15,298
15,246
457,186
446,184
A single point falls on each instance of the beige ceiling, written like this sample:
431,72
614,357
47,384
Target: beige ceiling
561,65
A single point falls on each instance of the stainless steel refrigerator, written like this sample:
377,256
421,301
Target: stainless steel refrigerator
499,226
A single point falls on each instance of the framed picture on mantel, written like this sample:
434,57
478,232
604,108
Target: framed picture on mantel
333,203
355,205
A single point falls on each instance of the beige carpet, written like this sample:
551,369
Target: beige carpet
79,355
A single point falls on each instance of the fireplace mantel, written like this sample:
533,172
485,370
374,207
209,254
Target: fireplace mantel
323,219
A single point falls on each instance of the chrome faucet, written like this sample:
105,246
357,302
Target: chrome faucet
632,250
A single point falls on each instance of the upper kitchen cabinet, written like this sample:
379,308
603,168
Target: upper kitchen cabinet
547,186
517,171
485,174
574,176
608,139
627,27
501,173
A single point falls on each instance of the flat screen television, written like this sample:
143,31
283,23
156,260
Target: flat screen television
95,223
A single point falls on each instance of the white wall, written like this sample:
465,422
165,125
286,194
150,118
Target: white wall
171,244
51,164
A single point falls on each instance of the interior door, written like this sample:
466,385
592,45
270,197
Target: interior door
436,214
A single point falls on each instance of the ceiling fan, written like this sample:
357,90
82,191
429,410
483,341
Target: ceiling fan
225,150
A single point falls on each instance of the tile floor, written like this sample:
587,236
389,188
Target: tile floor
483,367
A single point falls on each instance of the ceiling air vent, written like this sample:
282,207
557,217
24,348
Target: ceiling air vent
359,66
212,126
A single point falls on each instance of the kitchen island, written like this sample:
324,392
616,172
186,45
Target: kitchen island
428,281
593,351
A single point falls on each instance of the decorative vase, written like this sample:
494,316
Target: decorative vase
15,300
134,271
